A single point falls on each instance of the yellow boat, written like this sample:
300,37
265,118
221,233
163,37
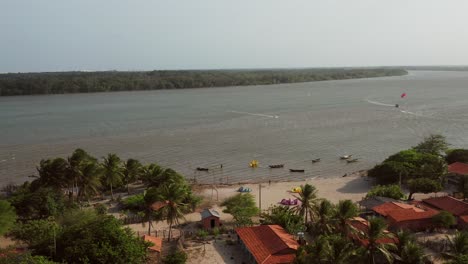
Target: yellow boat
253,164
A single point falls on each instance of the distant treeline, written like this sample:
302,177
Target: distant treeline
89,82
436,68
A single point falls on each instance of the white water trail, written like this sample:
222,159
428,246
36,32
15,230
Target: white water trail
379,103
254,114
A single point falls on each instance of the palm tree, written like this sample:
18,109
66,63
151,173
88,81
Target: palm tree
345,210
150,214
89,182
131,171
172,195
330,249
75,163
52,173
154,176
323,214
112,171
377,231
412,253
307,197
404,236
458,245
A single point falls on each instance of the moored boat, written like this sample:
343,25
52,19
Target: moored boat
275,166
345,157
352,160
315,160
296,170
202,169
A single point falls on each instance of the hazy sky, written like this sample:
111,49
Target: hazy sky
59,35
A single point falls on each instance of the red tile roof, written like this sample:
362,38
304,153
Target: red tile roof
458,168
464,219
156,241
409,214
269,243
449,204
385,208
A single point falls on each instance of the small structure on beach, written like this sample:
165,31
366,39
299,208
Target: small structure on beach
156,248
268,244
210,219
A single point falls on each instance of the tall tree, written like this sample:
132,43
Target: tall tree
433,144
330,249
412,253
375,232
242,207
75,164
423,185
112,171
53,173
89,180
132,169
307,197
324,212
345,210
172,195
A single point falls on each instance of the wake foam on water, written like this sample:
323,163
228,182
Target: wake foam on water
254,114
379,103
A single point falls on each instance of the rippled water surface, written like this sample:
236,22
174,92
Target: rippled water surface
290,124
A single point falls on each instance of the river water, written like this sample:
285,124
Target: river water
289,124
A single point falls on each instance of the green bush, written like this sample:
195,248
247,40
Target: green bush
134,203
178,257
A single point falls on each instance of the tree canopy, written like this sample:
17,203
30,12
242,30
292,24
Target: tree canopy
242,207
7,216
433,144
108,81
423,185
391,191
457,155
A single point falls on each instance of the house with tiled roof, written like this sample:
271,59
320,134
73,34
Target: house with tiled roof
268,244
415,217
452,205
458,168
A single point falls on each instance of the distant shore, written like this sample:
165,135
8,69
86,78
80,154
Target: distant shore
111,81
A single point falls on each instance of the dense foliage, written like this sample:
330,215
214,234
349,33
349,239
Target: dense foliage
7,216
454,155
87,82
82,237
423,185
423,161
242,207
444,219
391,191
285,217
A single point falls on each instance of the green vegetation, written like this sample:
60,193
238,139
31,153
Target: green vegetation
178,257
88,82
7,216
444,219
285,217
391,191
423,185
55,224
421,168
307,197
242,207
457,155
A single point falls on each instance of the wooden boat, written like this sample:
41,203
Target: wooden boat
295,170
275,166
202,169
352,160
315,160
345,157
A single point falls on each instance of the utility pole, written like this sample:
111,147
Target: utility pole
260,197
